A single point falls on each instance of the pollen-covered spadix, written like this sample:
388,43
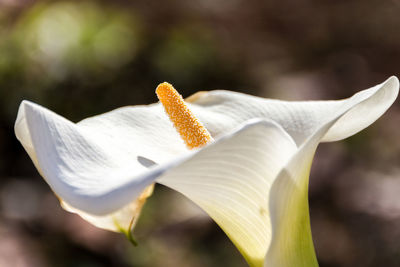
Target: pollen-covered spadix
191,130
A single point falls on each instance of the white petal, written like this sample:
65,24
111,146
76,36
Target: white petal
230,180
124,218
92,178
84,167
291,243
89,178
372,104
95,165
224,110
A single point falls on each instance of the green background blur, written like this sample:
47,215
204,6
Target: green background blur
81,58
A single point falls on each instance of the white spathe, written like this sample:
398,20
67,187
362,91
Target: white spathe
253,180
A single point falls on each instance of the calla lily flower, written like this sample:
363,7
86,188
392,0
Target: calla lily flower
252,180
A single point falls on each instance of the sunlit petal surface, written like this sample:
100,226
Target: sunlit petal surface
230,180
292,243
224,110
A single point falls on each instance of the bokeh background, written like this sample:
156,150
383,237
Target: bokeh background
81,58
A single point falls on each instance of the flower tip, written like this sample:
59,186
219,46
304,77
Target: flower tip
164,88
25,107
392,87
394,80
28,109
27,103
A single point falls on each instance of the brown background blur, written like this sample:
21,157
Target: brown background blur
82,58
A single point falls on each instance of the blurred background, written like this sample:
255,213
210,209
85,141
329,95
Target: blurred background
81,58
